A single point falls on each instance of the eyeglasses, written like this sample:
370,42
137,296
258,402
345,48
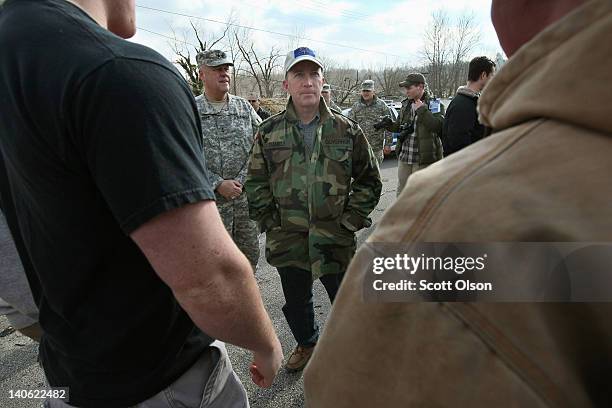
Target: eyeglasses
252,100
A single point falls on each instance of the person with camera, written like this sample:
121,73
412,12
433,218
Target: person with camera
420,125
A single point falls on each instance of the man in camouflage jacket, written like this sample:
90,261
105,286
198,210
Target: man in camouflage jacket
229,124
367,111
312,182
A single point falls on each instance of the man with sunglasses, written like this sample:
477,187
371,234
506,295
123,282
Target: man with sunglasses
256,104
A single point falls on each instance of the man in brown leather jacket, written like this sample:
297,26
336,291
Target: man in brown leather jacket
543,175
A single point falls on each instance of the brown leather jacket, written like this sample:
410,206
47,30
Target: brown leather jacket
544,175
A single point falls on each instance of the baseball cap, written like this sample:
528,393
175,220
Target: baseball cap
301,54
212,58
367,85
412,79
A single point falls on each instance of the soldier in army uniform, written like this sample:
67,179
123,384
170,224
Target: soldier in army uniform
312,182
367,111
229,124
326,94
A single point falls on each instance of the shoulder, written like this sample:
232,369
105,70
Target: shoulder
345,124
462,103
135,78
465,99
382,106
238,102
273,121
335,109
440,201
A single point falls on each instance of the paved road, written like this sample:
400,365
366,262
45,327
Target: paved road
18,368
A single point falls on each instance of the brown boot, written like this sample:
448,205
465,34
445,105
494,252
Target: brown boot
298,359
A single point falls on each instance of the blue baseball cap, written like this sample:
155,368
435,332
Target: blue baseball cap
299,55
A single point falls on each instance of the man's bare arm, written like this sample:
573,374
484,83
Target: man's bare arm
212,280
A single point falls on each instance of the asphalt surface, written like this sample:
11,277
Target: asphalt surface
19,370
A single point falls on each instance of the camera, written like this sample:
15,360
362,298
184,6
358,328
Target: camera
406,129
383,123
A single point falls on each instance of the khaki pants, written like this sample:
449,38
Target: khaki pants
209,383
404,170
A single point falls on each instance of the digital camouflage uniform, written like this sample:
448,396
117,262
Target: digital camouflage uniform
228,137
310,209
367,115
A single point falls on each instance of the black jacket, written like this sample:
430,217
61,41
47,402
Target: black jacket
461,126
263,114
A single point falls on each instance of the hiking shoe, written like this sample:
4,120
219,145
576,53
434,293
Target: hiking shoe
298,359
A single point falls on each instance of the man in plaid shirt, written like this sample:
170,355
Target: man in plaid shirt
420,121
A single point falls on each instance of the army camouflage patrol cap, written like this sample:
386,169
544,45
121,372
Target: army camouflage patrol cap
326,88
367,85
299,55
213,58
413,79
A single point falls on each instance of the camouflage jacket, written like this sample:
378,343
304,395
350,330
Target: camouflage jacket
332,105
228,137
367,115
429,121
310,209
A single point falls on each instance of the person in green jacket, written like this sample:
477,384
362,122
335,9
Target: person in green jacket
420,122
311,184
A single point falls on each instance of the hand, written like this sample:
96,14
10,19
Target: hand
229,189
386,149
264,367
417,104
383,123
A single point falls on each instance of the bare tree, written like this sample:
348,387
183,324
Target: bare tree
437,49
262,69
297,39
188,63
236,34
389,79
466,36
344,83
447,45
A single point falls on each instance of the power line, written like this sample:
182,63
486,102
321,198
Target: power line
265,31
333,87
353,15
167,36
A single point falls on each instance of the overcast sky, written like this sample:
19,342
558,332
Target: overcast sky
361,34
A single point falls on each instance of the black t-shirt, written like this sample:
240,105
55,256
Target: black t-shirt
98,135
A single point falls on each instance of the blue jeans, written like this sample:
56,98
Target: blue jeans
298,308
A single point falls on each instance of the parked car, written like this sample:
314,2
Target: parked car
389,150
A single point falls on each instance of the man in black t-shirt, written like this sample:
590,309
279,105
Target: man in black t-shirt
131,267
